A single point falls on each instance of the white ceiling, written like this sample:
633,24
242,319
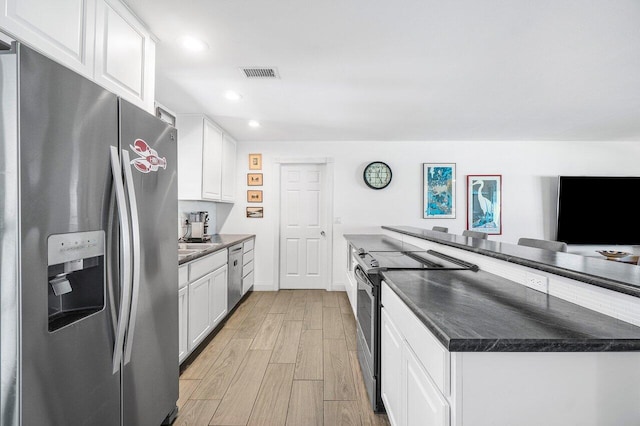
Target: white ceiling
405,70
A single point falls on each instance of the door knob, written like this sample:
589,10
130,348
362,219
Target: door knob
322,233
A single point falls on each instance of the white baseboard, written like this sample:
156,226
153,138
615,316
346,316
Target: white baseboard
271,287
264,287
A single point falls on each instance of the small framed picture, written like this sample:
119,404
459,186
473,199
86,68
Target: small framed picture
255,212
255,161
484,203
254,179
254,196
438,190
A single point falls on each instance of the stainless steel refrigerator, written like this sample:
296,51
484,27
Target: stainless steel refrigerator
88,205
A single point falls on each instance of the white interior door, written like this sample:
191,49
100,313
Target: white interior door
303,226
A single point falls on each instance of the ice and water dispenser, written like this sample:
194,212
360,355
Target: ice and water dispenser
76,276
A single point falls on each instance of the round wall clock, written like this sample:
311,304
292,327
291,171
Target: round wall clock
377,175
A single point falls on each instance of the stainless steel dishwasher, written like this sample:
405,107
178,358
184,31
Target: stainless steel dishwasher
235,276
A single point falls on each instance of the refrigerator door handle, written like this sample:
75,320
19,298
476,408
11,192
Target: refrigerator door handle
111,263
125,273
135,232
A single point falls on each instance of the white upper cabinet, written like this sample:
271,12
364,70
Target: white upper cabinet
63,29
228,169
100,39
125,54
211,162
206,160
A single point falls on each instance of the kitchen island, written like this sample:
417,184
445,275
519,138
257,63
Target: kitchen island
478,348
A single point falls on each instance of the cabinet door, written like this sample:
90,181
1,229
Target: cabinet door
391,358
211,162
64,29
125,54
425,405
199,310
218,294
183,310
228,168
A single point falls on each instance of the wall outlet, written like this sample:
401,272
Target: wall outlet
537,282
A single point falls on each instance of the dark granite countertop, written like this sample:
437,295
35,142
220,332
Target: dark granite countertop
222,241
379,242
481,312
620,277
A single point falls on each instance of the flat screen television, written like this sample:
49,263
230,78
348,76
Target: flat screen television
598,210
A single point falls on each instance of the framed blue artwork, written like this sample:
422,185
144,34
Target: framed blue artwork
439,190
484,203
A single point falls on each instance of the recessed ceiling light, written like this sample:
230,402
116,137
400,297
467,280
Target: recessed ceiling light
193,44
232,96
254,123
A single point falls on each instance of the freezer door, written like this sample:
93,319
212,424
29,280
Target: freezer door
67,125
151,367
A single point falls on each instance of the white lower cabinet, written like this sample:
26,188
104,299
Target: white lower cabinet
207,304
218,296
410,395
425,405
202,298
199,309
391,367
351,285
183,309
247,265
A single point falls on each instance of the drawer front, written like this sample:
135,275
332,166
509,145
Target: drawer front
247,257
247,282
183,276
248,245
248,267
201,267
428,350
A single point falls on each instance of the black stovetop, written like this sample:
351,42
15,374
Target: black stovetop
376,261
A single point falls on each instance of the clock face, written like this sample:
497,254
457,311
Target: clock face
377,175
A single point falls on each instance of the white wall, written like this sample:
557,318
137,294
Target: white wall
529,178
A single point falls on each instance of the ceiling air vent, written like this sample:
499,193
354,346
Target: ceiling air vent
260,72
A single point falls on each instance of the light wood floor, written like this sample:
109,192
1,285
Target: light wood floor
283,358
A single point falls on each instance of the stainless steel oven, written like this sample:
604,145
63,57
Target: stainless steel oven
368,269
368,332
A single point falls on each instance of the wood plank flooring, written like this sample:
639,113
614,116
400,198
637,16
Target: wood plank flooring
283,358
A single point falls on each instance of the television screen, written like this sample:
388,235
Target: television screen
598,210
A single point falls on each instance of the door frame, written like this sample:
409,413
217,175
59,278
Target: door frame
327,187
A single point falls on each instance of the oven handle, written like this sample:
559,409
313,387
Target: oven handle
362,278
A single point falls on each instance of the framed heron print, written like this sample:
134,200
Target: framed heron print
484,203
439,190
